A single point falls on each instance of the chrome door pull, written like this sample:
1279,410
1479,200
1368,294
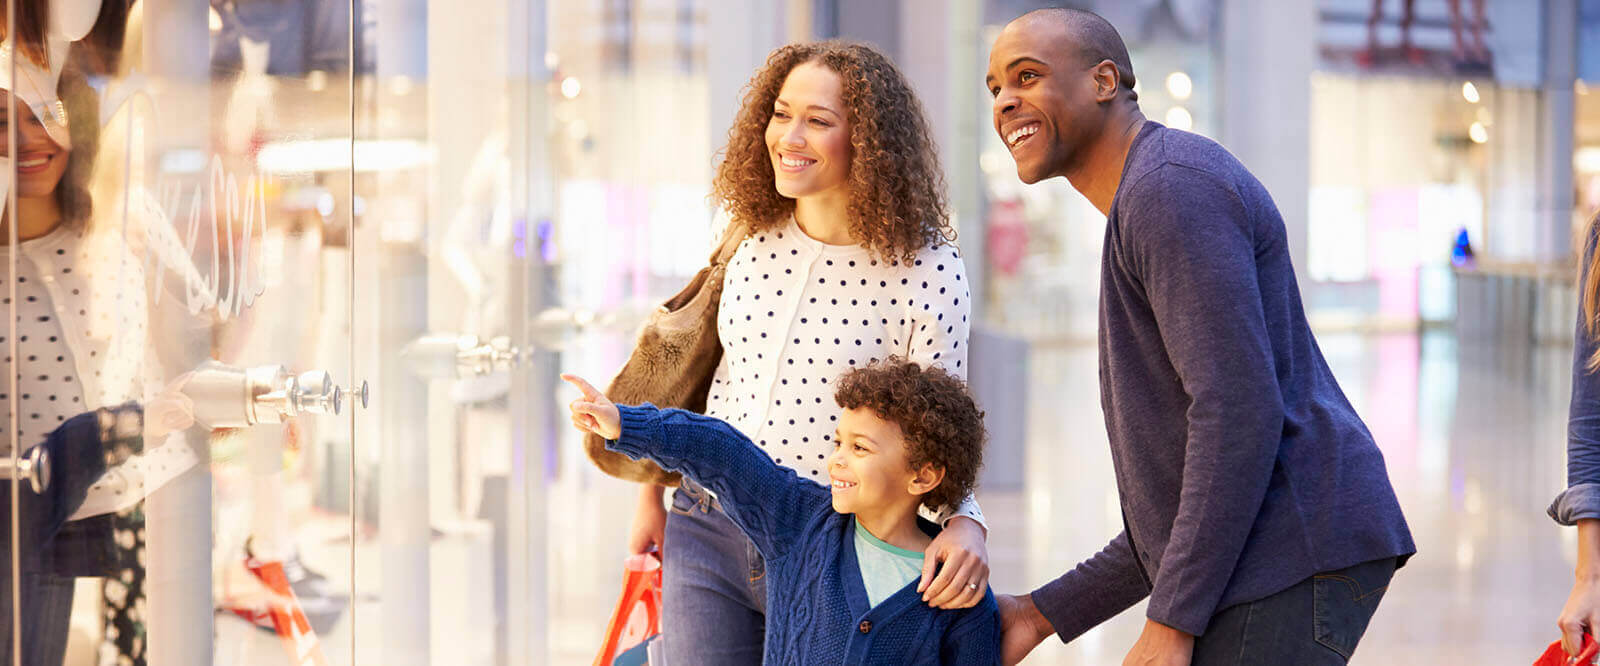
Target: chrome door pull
482,358
447,355
358,393
313,392
33,467
226,396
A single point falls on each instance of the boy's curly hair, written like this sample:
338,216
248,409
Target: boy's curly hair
897,188
941,423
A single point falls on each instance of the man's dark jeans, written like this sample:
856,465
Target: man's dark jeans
1318,621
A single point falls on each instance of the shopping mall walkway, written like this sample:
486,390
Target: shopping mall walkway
1473,436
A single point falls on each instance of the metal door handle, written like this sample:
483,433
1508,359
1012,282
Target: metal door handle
447,355
226,396
458,355
33,467
482,358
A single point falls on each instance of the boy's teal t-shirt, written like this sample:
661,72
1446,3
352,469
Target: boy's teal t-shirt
885,568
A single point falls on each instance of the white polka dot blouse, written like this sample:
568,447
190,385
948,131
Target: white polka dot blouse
796,313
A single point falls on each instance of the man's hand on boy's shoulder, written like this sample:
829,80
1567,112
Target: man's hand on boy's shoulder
594,412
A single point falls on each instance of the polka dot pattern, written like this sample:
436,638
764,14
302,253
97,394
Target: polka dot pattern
82,344
48,376
796,313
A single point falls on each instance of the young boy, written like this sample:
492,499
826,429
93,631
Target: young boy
842,561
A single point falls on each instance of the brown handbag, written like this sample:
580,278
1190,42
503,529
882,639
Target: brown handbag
674,361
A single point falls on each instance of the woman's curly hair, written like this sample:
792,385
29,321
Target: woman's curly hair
897,190
941,423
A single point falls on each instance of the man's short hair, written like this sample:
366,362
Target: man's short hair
1094,36
940,421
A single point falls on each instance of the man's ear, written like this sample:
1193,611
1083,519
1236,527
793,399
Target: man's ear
1107,81
926,479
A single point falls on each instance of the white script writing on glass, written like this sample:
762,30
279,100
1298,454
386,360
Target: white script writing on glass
218,204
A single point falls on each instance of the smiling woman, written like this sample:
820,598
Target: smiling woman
52,163
887,147
808,139
831,167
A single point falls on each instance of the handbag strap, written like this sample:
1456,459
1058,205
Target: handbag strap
732,236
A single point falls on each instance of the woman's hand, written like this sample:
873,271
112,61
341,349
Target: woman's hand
594,412
649,521
168,412
1581,615
965,576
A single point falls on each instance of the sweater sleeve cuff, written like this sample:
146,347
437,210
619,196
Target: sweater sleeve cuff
641,431
1190,623
1579,502
1056,602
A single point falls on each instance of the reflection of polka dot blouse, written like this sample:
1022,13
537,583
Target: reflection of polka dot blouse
51,393
82,348
796,313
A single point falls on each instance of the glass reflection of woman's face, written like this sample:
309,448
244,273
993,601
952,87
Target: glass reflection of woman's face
40,162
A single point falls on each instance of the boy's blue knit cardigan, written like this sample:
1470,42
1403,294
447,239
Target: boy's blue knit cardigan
817,610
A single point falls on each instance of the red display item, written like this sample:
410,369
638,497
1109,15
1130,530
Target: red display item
299,640
638,614
1555,656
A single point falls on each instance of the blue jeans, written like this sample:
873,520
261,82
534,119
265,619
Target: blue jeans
1316,622
714,588
46,614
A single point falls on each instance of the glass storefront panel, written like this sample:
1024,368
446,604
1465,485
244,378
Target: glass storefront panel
450,265
631,153
188,348
342,202
293,283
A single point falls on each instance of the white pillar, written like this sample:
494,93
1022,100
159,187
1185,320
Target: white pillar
402,404
740,35
1553,219
1269,45
178,517
941,51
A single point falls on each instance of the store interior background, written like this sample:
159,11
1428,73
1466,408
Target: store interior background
462,204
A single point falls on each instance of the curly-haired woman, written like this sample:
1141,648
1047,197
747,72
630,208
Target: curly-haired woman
831,167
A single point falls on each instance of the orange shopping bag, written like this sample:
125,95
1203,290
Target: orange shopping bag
1555,656
299,640
638,614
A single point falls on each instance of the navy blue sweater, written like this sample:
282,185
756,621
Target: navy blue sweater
817,609
1241,467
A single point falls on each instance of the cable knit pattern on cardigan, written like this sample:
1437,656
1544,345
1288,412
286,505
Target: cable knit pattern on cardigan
817,610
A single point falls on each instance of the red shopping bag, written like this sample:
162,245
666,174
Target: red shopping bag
638,614
1555,656
286,615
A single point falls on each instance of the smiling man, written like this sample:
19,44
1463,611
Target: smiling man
1258,515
